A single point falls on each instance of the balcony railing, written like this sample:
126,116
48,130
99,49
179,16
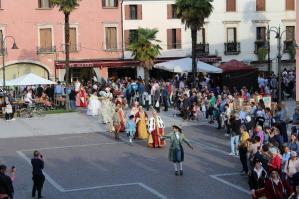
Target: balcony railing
259,44
287,45
232,48
46,50
202,49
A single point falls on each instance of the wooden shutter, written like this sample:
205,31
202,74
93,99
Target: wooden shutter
169,38
115,3
127,12
260,5
1,38
231,5
103,3
178,38
46,38
39,3
73,39
111,38
290,4
139,12
127,38
169,11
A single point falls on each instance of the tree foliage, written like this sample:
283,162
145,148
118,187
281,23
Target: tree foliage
145,46
66,6
194,12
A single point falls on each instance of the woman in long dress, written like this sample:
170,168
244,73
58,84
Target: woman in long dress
156,130
105,108
141,120
93,105
122,117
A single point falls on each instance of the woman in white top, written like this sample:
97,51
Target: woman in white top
292,165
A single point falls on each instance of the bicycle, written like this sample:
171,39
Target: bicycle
33,110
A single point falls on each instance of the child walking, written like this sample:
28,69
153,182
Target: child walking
131,128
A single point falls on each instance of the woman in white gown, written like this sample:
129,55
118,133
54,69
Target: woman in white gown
94,105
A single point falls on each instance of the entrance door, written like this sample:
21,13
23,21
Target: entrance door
82,74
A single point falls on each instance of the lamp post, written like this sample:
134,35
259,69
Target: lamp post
279,33
14,46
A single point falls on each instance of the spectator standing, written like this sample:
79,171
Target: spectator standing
6,186
38,177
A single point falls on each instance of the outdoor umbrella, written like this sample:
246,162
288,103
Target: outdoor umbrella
30,79
185,65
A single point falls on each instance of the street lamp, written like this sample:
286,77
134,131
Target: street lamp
277,31
14,46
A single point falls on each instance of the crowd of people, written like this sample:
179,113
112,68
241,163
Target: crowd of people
257,131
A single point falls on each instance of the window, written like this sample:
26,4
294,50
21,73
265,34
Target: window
290,33
174,38
109,3
231,35
73,40
201,36
133,12
111,38
230,5
171,11
260,5
44,4
261,33
290,4
45,43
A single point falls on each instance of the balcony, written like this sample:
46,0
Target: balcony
287,45
202,49
232,48
46,50
259,44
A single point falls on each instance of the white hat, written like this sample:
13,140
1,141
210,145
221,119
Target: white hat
293,154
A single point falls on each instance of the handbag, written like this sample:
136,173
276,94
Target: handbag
157,105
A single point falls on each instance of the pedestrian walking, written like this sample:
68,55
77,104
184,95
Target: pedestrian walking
116,123
176,150
38,177
6,187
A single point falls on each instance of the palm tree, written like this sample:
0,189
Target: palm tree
193,14
66,6
145,47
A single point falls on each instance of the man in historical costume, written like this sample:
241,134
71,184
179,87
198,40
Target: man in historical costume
176,151
156,129
141,120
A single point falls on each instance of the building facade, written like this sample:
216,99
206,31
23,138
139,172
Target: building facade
38,28
237,29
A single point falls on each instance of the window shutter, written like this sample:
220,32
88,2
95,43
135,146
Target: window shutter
127,12
39,3
169,11
42,38
116,3
103,3
290,33
1,38
113,38
260,5
139,12
290,4
178,38
126,38
230,5
169,38
73,39
49,38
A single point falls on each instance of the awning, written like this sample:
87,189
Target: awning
185,65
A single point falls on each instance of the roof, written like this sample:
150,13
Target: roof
235,66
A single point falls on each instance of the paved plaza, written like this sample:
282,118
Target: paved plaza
84,161
93,165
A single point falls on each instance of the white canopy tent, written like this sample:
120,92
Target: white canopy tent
185,65
28,80
7,83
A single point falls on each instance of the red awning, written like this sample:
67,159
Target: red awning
97,64
235,66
